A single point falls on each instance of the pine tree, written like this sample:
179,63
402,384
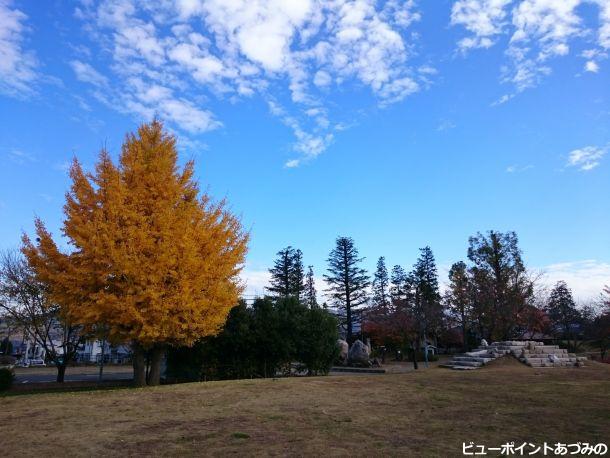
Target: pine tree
282,273
347,281
297,277
152,260
398,283
310,294
288,274
381,283
427,308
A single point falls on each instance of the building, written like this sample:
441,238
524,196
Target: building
27,351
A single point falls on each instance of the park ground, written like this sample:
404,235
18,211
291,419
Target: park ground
25,377
425,413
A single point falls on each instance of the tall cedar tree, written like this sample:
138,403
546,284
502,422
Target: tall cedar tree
298,275
152,260
287,274
458,298
281,273
427,307
348,282
398,283
502,288
562,311
381,283
310,294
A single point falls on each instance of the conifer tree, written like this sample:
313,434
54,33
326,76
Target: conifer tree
427,308
310,295
282,273
152,259
348,282
381,283
297,277
288,274
398,283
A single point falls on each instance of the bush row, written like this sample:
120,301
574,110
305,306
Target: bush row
263,340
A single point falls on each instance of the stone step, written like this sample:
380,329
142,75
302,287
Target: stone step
510,343
543,355
466,363
462,368
546,350
546,358
477,359
547,363
534,354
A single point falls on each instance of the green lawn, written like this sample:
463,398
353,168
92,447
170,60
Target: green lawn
428,413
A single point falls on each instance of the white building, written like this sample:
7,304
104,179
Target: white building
28,351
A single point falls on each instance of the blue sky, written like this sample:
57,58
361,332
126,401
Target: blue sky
399,123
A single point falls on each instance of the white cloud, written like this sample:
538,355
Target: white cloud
593,59
542,30
537,31
484,19
245,47
550,23
518,169
86,73
322,78
591,66
308,144
256,282
587,158
17,65
603,34
586,278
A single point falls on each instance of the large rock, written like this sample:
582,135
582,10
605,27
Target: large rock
343,350
359,354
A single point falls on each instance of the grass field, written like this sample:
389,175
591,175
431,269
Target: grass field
428,413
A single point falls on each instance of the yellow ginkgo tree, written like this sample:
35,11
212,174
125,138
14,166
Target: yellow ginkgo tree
153,261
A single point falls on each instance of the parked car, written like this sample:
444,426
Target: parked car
37,362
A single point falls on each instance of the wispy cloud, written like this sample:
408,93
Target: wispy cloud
445,125
20,157
536,31
17,64
518,168
586,278
165,54
587,158
86,73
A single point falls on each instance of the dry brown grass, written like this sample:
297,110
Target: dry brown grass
428,413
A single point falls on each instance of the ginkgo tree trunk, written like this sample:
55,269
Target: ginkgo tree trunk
151,257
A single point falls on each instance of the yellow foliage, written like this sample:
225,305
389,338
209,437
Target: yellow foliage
151,260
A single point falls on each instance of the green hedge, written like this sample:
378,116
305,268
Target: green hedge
260,341
6,378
